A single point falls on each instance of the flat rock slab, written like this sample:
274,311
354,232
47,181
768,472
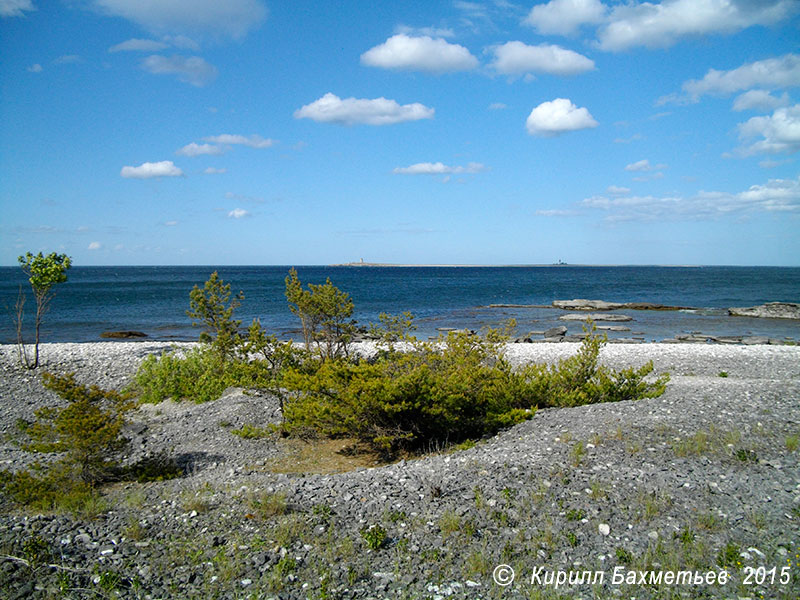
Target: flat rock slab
613,328
595,317
581,304
770,310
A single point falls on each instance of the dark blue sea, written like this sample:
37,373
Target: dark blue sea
154,300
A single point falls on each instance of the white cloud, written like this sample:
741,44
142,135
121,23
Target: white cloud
214,171
564,17
232,18
192,69
435,32
497,106
194,149
67,59
514,58
138,45
148,170
781,132
776,196
170,223
253,141
759,100
438,168
238,213
556,212
15,8
419,54
35,68
380,111
617,190
95,246
661,25
771,73
644,166
558,116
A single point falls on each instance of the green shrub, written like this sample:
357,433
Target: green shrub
579,380
212,307
406,400
87,435
324,312
199,376
457,389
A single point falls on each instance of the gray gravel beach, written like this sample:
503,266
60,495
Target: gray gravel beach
704,479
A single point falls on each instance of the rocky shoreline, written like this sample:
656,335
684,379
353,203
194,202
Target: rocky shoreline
705,477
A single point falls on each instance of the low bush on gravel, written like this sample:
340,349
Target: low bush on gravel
87,436
459,388
412,395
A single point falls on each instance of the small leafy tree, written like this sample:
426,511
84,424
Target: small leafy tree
324,312
212,307
43,273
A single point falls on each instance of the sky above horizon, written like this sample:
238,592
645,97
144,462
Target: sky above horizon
158,132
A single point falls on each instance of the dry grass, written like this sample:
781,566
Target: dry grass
321,456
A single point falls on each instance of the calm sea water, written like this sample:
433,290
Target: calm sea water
154,300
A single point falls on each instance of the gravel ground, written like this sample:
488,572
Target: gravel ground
704,478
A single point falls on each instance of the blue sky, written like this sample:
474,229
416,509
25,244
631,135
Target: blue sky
493,132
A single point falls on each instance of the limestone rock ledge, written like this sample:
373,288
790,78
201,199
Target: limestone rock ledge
770,310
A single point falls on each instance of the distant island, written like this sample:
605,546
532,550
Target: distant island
361,263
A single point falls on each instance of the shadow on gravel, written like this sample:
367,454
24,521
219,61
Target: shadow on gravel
193,462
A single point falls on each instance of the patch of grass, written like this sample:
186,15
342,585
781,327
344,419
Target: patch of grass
321,455
449,523
266,505
623,556
709,521
722,374
792,442
575,514
652,504
252,432
744,455
375,536
728,556
572,539
577,453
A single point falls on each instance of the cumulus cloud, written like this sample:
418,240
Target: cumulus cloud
419,54
513,58
67,59
780,132
95,246
435,32
617,190
15,8
194,149
139,45
759,100
770,73
238,213
193,69
148,170
660,25
777,195
438,168
565,17
213,171
644,166
558,116
252,141
35,68
349,111
232,18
